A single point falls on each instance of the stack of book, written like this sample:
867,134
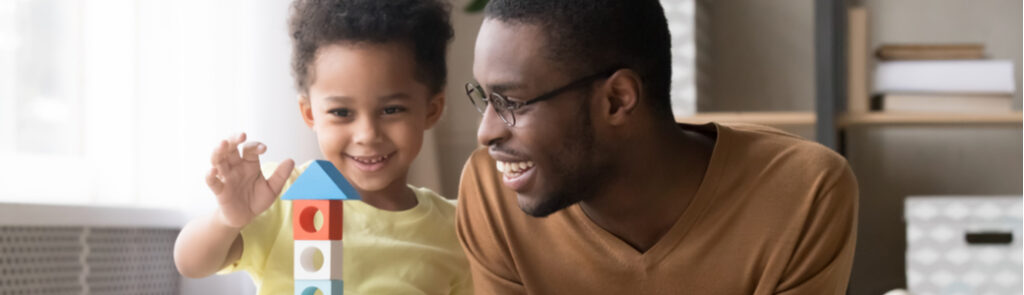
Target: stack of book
941,78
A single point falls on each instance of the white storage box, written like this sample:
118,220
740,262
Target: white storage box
963,245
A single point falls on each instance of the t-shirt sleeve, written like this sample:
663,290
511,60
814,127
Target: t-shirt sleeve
258,237
823,256
480,229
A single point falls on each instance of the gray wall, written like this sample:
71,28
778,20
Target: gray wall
762,56
761,59
762,52
892,163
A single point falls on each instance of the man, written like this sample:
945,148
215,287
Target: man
618,198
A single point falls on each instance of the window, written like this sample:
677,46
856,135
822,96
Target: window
121,102
680,15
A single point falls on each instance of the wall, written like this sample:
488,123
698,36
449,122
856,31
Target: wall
892,163
761,59
895,162
456,132
761,56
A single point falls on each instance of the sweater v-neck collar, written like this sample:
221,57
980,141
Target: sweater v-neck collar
693,212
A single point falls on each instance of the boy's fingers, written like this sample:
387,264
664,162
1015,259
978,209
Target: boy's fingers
252,151
213,182
219,157
238,138
233,156
281,174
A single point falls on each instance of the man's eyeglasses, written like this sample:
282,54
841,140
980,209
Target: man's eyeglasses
506,108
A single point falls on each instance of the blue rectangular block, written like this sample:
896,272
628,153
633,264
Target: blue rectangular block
327,287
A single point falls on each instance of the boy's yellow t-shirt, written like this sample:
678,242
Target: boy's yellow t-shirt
386,252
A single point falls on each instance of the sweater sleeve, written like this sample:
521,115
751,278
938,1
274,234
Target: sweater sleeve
480,229
823,257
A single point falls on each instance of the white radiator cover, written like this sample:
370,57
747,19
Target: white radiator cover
87,250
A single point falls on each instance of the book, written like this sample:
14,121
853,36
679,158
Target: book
944,76
857,54
930,51
943,103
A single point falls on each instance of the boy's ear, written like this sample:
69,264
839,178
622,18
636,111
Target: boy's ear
435,107
306,109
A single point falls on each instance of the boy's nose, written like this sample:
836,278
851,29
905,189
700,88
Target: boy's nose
367,131
492,129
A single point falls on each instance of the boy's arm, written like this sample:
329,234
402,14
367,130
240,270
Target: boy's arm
206,246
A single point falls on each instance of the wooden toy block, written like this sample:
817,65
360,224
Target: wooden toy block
321,181
306,253
303,221
326,287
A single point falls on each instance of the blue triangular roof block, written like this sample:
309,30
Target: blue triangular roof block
321,181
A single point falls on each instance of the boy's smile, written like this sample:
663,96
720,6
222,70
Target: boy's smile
371,163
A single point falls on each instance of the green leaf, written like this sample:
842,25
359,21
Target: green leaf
476,6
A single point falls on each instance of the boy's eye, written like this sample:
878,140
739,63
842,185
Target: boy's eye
340,112
393,109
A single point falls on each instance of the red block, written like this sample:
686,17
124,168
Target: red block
303,212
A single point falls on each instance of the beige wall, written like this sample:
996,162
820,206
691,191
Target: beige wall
456,132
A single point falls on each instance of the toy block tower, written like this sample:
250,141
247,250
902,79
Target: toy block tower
318,251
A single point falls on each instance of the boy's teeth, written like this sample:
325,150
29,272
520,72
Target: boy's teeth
513,167
371,160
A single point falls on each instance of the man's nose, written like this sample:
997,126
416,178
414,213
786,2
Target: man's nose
492,128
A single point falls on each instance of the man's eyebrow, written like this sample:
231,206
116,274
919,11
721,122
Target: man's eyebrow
505,87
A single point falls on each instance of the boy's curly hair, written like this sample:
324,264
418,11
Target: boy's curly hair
423,25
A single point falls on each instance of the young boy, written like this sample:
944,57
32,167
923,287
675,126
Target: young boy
370,75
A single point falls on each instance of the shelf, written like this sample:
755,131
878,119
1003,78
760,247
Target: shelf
846,120
763,118
890,119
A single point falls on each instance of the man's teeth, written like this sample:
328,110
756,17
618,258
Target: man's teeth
514,167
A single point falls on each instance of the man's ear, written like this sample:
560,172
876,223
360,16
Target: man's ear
306,109
623,90
435,107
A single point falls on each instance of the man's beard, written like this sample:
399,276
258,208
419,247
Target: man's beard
574,167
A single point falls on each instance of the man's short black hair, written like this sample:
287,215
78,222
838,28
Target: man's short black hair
423,25
585,35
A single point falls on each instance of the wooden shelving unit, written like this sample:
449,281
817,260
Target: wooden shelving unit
893,119
858,119
763,118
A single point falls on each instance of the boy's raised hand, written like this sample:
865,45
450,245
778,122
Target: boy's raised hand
237,180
